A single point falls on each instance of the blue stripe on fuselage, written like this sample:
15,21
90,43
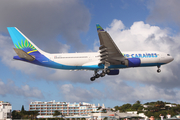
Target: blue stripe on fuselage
44,61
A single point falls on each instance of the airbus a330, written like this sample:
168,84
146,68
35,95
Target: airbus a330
109,59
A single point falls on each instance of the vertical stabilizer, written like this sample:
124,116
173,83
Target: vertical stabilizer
22,42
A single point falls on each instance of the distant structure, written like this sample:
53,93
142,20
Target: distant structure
5,110
65,108
171,105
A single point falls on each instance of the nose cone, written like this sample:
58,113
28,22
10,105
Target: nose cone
170,58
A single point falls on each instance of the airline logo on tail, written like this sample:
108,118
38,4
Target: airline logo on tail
21,41
25,46
99,28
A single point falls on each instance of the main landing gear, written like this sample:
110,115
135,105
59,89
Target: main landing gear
158,70
102,74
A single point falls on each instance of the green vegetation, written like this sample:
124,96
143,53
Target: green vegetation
56,113
105,118
23,114
128,107
151,109
51,119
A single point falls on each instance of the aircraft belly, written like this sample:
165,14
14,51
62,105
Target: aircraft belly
145,62
149,60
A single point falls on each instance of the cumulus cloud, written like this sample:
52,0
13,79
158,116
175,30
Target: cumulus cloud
47,21
144,37
78,94
147,83
144,93
139,37
25,90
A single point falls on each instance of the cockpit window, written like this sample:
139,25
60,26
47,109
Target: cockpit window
168,54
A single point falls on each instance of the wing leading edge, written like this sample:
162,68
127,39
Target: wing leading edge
108,49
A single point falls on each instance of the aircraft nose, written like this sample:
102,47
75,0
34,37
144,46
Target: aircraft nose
170,58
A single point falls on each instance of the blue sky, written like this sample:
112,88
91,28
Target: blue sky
70,26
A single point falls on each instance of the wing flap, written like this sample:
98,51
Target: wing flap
24,55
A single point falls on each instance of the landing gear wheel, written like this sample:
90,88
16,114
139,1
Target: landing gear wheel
107,71
159,70
102,74
97,75
93,78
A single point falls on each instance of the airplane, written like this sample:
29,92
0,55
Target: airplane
109,59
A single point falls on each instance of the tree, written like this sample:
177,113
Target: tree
16,115
138,102
104,111
22,108
124,107
56,113
116,108
135,106
105,118
160,104
23,112
99,108
33,114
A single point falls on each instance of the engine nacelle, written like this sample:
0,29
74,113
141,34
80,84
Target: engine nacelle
113,72
134,62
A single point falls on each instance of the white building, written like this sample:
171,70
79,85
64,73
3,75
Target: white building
171,105
5,110
65,108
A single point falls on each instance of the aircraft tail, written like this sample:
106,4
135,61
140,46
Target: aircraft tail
23,46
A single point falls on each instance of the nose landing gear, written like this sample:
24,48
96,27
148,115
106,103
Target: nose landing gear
158,70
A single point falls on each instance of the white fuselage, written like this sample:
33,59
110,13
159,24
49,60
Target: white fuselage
148,58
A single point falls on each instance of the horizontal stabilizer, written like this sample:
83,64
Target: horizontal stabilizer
24,55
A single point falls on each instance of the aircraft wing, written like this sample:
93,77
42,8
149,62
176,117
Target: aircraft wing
108,49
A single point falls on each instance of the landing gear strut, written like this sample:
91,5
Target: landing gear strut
102,74
158,70
96,75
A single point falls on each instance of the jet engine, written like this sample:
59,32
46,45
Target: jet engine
113,72
133,62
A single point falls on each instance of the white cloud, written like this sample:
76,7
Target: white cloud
144,37
78,94
147,83
123,92
139,36
73,76
25,90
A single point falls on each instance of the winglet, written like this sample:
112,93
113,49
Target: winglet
99,28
